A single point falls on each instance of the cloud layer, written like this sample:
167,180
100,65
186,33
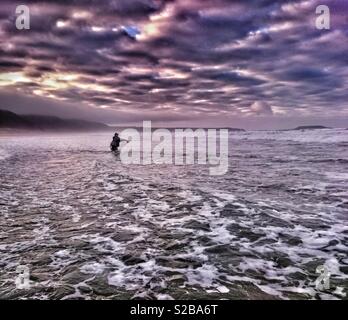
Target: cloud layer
178,60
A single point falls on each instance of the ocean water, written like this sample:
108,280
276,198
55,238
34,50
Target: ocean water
89,227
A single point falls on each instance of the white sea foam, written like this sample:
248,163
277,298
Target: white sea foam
280,212
321,136
4,154
93,268
337,175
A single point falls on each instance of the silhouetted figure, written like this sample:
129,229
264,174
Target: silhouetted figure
115,143
116,140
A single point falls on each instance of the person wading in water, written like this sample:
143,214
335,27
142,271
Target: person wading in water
115,144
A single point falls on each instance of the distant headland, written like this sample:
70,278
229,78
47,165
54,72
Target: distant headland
11,120
316,127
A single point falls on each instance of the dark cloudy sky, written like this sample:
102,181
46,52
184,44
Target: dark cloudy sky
252,63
